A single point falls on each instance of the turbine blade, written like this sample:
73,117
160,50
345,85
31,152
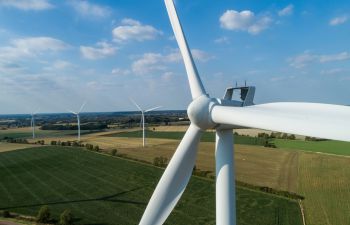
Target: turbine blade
174,180
196,86
152,109
82,106
137,106
309,119
72,112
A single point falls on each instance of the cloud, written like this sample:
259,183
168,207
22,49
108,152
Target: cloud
134,30
120,72
287,11
222,40
306,58
59,65
244,21
90,10
27,4
338,20
102,50
333,71
151,62
31,46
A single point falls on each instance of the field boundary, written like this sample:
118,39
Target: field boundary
302,212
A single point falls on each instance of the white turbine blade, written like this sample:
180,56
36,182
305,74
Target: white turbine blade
196,86
82,106
152,109
174,180
72,112
137,106
309,119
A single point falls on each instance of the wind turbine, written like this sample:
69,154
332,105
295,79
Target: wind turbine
143,119
309,119
32,122
78,117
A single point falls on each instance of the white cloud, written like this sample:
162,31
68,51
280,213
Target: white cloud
134,30
87,9
120,72
333,71
201,56
288,10
244,21
338,20
150,62
58,65
102,50
306,58
33,46
27,4
222,40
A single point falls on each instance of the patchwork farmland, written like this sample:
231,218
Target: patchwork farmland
86,182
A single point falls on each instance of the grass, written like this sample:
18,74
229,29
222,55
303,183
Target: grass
178,135
324,181
105,190
27,133
330,147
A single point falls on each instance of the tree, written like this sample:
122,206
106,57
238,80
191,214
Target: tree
43,215
96,148
113,152
6,214
66,218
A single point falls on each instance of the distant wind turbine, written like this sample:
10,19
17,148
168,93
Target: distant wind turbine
32,122
78,117
143,119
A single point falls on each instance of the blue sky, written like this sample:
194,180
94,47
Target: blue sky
57,54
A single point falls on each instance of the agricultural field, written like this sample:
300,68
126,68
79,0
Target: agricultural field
4,146
178,135
26,132
324,181
329,147
101,189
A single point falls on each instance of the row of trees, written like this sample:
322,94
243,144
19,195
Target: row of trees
277,135
88,126
44,216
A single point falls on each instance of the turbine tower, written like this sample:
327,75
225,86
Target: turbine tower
143,119
32,122
309,119
78,117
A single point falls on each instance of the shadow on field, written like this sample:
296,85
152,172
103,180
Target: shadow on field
108,198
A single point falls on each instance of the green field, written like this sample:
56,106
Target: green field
324,181
178,135
330,147
101,189
39,133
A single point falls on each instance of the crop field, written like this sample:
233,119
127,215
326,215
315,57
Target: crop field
101,189
324,181
330,147
178,135
27,133
4,146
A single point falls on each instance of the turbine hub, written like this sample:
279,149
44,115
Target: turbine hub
199,112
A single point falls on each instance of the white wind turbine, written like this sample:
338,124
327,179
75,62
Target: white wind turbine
143,119
78,117
309,119
32,122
